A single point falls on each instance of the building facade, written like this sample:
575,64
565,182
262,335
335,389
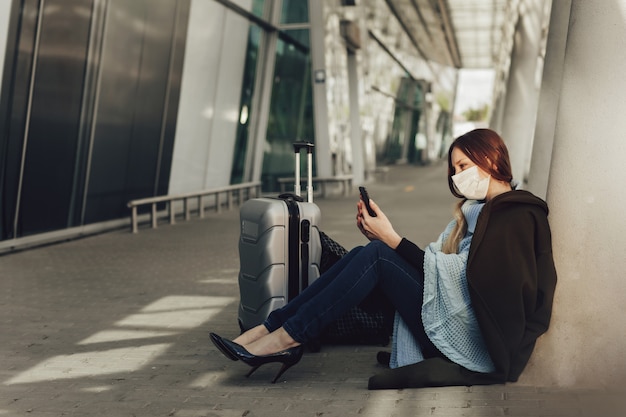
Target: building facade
105,101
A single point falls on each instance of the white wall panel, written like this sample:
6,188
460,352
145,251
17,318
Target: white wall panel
227,98
5,12
197,96
209,101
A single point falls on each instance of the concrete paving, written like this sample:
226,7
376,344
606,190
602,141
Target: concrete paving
117,324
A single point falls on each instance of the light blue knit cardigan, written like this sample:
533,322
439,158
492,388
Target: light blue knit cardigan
447,312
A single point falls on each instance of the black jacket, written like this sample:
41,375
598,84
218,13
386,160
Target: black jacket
511,279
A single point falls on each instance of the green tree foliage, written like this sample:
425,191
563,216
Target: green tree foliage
476,115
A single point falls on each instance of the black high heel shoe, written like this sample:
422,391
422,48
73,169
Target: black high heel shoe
219,344
288,357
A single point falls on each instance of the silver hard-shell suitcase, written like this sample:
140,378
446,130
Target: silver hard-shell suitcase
279,248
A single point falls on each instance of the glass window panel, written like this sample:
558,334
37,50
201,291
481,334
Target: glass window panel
295,11
245,107
291,110
398,100
258,7
296,38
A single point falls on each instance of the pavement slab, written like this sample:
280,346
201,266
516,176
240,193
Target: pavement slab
117,325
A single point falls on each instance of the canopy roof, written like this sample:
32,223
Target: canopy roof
458,33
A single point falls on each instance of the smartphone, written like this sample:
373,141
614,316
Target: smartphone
366,199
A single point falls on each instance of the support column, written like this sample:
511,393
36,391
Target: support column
323,157
356,134
497,114
522,93
549,99
586,342
264,86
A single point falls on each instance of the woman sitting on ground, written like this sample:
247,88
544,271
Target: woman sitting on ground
469,307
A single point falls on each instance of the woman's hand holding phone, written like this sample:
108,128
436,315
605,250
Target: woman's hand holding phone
365,197
375,225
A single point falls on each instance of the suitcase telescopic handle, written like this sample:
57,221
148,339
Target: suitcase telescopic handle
297,147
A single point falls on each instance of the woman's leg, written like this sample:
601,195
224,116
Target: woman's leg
279,316
376,266
407,295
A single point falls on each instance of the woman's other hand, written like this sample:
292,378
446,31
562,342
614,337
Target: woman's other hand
376,228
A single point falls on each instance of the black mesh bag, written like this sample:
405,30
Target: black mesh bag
369,323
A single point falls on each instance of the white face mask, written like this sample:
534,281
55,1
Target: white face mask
470,184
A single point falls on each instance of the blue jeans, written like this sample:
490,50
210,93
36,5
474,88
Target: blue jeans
365,269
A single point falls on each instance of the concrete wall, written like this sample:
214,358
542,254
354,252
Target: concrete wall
586,345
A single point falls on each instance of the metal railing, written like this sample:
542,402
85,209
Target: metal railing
252,189
345,181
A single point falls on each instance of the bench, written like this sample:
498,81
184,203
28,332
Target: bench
345,180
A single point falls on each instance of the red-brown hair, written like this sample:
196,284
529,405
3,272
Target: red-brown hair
485,148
